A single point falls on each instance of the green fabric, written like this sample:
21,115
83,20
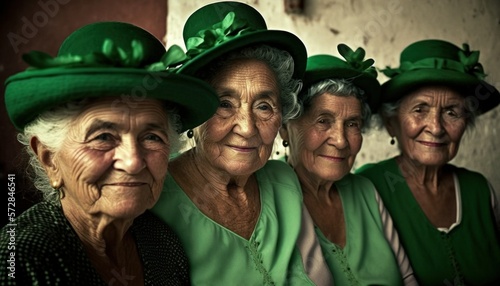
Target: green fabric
107,59
353,68
218,256
367,258
467,255
219,28
437,62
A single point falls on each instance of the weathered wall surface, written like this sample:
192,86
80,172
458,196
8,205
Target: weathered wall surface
384,28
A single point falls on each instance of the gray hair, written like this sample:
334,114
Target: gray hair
280,61
337,87
51,128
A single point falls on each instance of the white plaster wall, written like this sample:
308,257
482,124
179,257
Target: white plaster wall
383,28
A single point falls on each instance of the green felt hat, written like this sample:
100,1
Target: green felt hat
222,27
107,59
437,62
354,68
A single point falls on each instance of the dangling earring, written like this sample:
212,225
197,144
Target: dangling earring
285,144
392,141
190,133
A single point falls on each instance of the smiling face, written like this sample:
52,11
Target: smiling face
325,140
114,158
238,139
429,125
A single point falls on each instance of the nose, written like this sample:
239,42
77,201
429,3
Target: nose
244,123
337,137
435,123
129,157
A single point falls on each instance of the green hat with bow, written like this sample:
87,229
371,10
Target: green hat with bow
437,62
353,68
107,59
219,28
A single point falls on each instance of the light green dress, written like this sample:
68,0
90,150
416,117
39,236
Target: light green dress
218,256
367,258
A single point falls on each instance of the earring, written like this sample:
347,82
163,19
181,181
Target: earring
392,141
190,133
285,143
55,185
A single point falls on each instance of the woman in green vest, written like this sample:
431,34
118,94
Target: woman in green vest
444,214
352,226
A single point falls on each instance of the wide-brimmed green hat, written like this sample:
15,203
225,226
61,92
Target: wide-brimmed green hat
107,59
354,68
222,27
437,62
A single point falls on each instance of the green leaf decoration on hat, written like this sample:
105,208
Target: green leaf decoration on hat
468,63
356,59
171,60
110,56
229,28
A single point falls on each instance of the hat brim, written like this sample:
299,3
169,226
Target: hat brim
274,38
485,96
368,84
31,92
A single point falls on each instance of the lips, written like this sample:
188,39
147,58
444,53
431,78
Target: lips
242,148
333,158
432,144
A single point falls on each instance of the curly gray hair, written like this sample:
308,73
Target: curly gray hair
51,128
280,61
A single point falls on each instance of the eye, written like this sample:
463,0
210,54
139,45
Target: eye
225,104
353,124
153,137
103,137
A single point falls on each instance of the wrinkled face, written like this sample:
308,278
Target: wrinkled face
239,138
115,158
325,140
429,125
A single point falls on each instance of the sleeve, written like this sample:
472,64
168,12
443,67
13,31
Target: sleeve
495,205
393,239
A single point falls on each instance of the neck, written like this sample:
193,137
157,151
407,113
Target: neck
101,235
314,187
424,175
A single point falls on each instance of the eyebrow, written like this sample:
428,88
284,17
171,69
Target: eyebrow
99,125
231,92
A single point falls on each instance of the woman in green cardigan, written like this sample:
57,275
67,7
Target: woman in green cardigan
444,214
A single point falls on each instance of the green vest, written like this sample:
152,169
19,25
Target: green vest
467,255
367,258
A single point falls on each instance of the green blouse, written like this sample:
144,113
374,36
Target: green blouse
218,256
468,254
367,258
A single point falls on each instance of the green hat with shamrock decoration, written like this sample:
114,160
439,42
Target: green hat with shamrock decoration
219,28
353,68
437,62
107,59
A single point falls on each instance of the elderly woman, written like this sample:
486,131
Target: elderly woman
100,158
443,213
353,227
238,215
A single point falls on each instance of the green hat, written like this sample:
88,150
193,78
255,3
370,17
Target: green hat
437,62
354,68
107,59
222,27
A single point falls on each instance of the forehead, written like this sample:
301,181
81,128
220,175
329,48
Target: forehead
255,72
120,108
434,95
335,103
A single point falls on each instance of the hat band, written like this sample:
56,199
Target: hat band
475,70
230,27
109,56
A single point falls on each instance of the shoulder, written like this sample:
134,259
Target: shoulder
278,172
371,168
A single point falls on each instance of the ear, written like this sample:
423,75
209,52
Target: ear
284,132
389,124
47,160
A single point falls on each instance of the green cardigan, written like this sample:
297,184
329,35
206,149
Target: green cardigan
469,254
